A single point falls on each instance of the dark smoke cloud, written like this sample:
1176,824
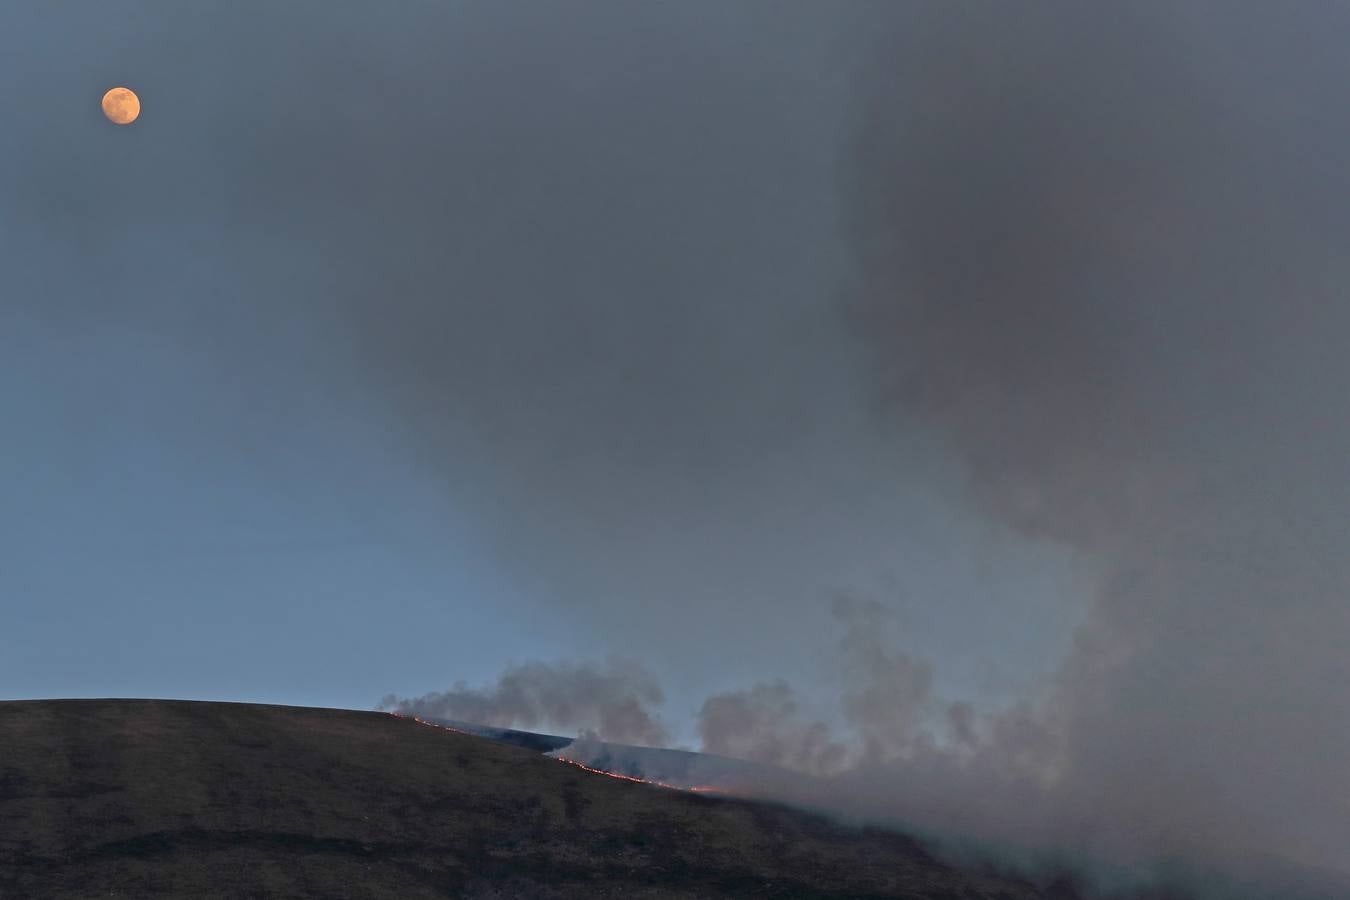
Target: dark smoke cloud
1103,252
763,724
612,702
1102,255
885,698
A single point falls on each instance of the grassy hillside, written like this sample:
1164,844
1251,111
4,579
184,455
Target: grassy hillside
136,798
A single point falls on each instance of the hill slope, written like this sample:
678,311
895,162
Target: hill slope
143,797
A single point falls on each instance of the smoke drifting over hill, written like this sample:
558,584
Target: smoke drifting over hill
1101,254
613,701
1104,254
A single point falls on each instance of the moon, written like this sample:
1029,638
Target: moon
121,106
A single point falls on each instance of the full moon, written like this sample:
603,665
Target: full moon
121,106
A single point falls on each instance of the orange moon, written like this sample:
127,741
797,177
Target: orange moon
121,106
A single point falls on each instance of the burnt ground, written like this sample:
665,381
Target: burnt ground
143,798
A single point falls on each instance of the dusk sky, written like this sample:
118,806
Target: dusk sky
611,213
397,345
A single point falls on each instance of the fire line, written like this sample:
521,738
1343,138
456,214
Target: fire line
696,789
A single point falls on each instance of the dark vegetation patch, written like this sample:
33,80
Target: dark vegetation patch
179,799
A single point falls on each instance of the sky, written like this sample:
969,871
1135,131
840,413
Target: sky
603,240
964,381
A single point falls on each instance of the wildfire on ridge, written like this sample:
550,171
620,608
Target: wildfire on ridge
421,721
697,789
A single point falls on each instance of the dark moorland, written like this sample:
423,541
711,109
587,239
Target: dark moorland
137,798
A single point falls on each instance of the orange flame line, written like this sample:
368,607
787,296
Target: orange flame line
421,721
697,789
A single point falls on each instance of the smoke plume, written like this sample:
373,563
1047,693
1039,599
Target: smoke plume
612,702
763,724
1103,254
695,312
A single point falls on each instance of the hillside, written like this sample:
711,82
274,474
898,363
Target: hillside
136,798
